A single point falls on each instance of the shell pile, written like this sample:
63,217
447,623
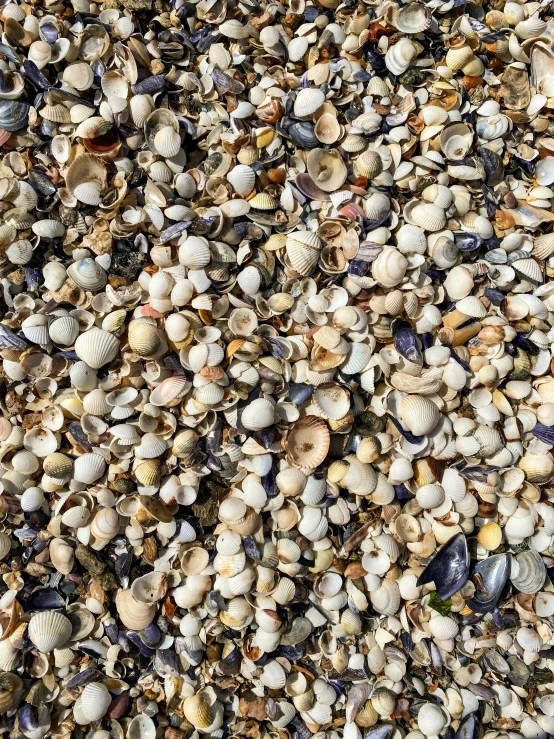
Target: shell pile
277,391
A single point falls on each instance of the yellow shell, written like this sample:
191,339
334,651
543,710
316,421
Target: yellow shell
57,465
143,337
148,473
490,536
248,155
198,711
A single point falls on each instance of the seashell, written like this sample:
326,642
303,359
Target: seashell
149,588
531,572
386,599
308,101
134,614
167,142
96,347
20,252
419,414
399,57
140,106
88,468
143,337
327,129
326,169
297,48
194,252
430,719
35,329
95,700
76,517
273,675
412,18
389,268
242,178
88,274
369,164
234,30
259,414
458,283
307,442
64,331
48,229
49,630
105,524
202,714
86,179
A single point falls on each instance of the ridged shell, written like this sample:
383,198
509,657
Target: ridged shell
96,347
259,414
167,142
95,700
144,338
64,331
242,178
419,414
76,517
49,630
308,101
88,468
194,252
86,178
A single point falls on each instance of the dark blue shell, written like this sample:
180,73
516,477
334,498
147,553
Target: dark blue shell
449,568
489,577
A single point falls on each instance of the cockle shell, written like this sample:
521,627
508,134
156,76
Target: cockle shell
95,700
96,347
308,101
49,630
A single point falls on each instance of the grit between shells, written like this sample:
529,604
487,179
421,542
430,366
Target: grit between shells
276,330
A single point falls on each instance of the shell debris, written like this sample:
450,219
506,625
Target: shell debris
276,367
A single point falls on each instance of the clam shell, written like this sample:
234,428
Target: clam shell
326,169
88,274
134,614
